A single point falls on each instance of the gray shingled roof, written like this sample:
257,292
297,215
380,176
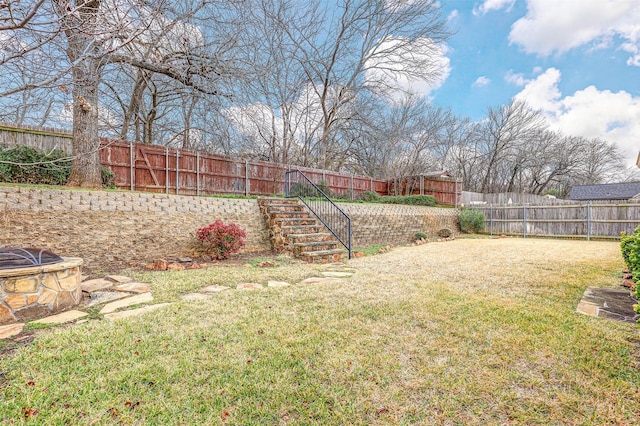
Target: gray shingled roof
606,191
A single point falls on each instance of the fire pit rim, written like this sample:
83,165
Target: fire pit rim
67,263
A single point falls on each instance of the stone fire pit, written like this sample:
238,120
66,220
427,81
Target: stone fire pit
39,291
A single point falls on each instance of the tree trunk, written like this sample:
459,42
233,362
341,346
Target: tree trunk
85,167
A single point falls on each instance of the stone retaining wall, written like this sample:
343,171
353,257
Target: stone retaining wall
122,227
388,223
104,228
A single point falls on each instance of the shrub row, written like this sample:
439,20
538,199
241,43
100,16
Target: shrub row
25,164
630,247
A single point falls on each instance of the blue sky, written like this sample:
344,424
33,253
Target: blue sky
578,61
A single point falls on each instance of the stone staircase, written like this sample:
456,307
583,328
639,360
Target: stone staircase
292,228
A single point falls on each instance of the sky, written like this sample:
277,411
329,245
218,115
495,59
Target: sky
578,61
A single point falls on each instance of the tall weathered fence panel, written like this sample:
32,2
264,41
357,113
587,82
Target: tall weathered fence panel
42,138
157,168
581,220
160,169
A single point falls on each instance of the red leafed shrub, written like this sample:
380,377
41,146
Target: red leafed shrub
219,240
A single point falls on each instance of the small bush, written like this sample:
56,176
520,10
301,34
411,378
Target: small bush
419,236
630,248
445,233
24,169
219,240
370,197
471,221
108,178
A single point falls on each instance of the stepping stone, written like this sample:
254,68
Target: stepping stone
119,279
134,287
129,301
134,312
249,286
10,330
97,284
215,288
278,284
337,274
99,297
319,280
61,318
196,296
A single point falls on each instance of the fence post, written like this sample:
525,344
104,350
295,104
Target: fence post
198,173
132,169
589,221
246,177
421,185
524,221
177,170
351,196
166,170
491,219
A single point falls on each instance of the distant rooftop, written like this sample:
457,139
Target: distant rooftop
606,191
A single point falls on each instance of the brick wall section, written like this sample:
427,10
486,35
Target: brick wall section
104,227
388,223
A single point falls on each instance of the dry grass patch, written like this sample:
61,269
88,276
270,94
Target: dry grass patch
464,332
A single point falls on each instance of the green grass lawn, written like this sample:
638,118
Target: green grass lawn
464,332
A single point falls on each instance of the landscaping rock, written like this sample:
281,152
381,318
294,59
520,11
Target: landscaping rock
249,286
337,274
97,284
319,280
119,278
129,301
134,312
175,267
184,259
161,265
10,330
100,297
134,287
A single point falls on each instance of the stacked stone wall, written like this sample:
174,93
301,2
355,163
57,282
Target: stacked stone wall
397,224
116,228
104,227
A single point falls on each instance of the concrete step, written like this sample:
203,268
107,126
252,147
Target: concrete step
300,248
280,208
309,237
280,201
289,215
322,256
294,221
303,229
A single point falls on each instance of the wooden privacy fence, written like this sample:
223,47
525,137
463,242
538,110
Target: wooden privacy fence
446,190
583,220
156,168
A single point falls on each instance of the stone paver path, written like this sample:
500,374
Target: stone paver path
118,292
61,318
124,303
134,312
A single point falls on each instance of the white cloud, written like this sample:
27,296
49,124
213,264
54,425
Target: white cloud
453,15
488,5
558,26
515,79
398,67
591,113
481,81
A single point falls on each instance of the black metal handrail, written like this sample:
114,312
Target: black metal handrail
297,184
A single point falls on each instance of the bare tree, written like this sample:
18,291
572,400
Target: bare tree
81,38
